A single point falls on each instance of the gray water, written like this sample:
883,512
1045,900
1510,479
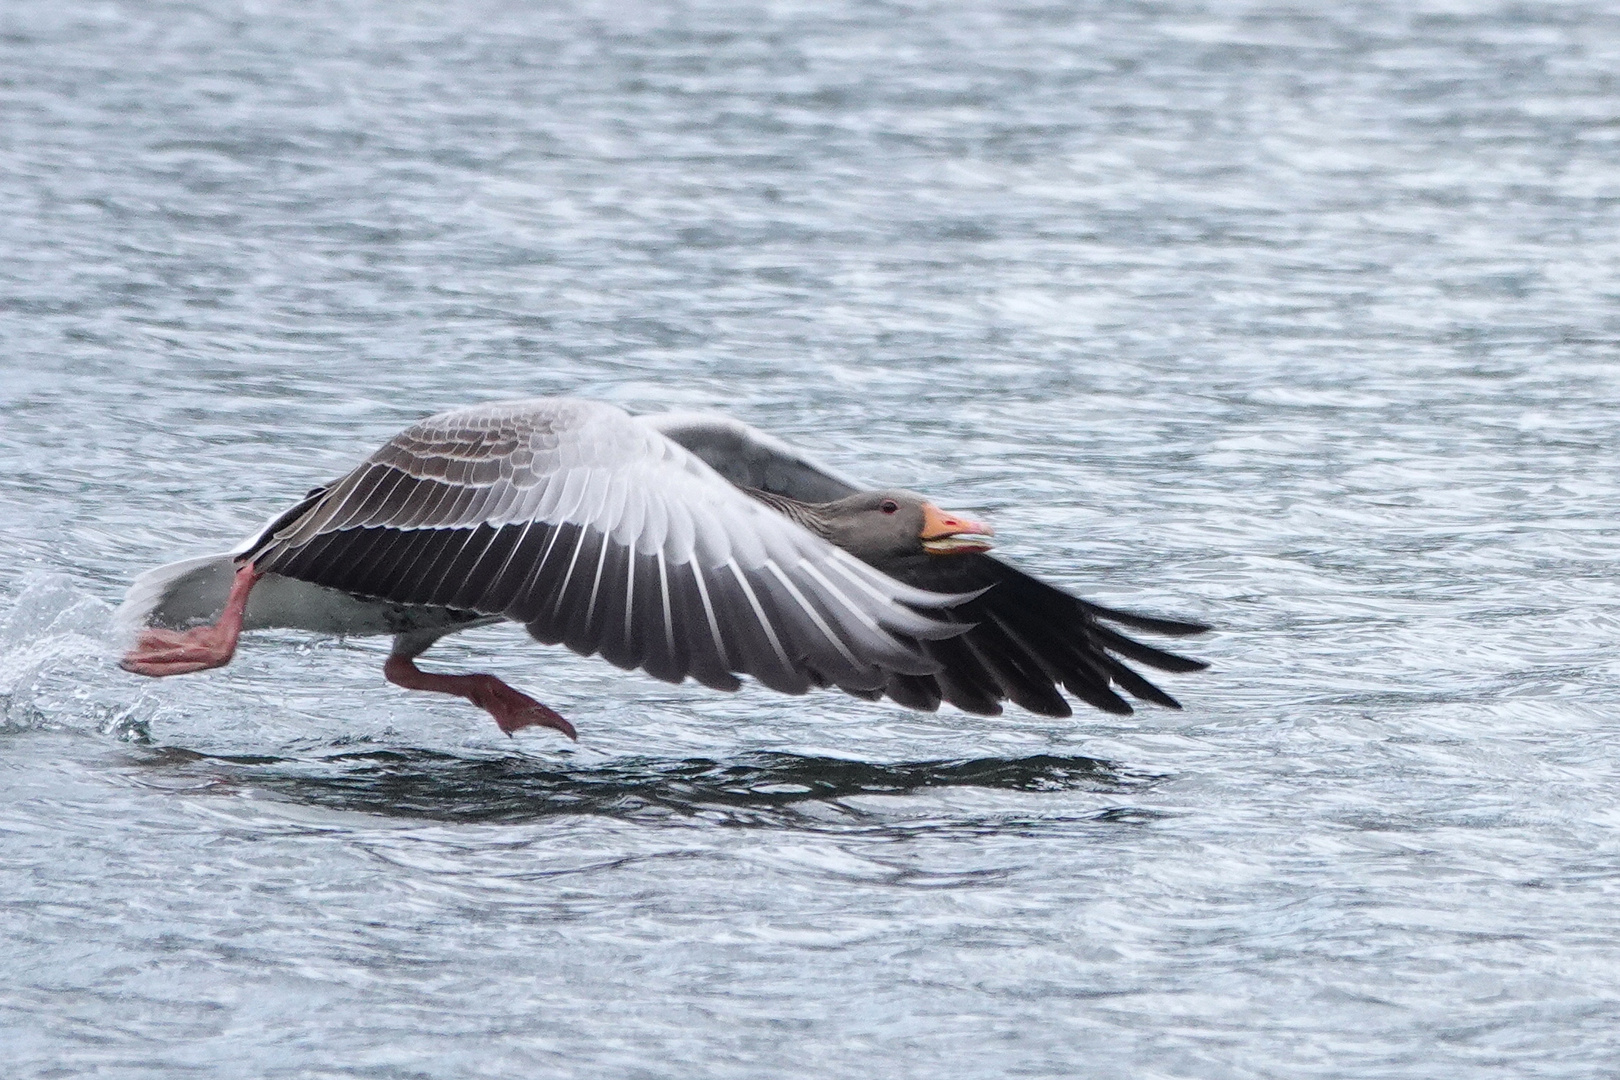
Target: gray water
1301,320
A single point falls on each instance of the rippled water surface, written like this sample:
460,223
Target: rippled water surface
1301,320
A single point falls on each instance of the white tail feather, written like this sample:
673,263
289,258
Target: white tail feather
177,595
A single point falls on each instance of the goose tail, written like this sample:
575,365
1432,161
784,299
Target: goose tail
178,595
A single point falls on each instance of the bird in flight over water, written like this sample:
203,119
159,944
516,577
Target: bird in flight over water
680,544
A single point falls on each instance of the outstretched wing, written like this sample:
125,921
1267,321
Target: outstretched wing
1026,640
596,531
750,458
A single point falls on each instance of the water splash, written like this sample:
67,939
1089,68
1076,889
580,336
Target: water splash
52,635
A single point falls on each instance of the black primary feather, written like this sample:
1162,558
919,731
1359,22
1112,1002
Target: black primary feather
1028,639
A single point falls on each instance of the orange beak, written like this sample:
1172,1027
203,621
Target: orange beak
952,534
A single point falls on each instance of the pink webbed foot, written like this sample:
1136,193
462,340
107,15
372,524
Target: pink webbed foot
160,652
512,709
170,652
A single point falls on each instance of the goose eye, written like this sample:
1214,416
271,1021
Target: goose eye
888,506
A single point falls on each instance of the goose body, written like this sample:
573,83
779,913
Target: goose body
685,545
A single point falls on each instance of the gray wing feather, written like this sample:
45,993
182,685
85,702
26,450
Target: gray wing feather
752,458
596,530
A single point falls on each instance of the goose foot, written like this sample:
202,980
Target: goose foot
159,652
512,709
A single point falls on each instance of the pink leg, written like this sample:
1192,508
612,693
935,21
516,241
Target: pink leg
172,652
512,709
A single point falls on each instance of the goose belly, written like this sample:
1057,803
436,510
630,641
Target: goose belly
280,602
192,592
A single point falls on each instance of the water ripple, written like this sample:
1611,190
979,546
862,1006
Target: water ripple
752,789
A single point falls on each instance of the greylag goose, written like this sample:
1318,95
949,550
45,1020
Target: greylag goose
680,544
